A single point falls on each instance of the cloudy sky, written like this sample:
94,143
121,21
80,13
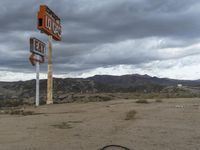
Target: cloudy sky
156,37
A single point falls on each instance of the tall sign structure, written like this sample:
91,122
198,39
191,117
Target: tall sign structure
49,23
37,49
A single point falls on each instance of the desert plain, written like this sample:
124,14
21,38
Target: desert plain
165,124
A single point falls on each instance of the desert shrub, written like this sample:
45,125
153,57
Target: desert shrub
105,98
143,101
27,113
158,101
10,103
15,112
18,112
42,101
99,98
130,115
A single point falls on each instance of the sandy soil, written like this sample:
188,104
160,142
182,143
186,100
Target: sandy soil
173,124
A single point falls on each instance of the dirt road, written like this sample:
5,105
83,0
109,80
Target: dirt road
173,124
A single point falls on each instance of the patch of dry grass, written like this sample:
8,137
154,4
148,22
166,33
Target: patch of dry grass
130,115
62,125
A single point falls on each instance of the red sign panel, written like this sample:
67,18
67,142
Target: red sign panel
49,22
33,59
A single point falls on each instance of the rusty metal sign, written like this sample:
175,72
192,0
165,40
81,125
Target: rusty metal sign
49,22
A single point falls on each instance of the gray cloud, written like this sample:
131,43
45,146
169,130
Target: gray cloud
102,33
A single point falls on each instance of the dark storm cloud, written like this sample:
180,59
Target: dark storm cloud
121,20
101,33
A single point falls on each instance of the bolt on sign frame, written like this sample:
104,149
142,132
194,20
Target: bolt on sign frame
37,49
49,23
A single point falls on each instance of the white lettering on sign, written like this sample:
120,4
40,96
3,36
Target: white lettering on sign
37,46
52,26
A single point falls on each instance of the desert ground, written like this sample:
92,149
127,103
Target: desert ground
173,124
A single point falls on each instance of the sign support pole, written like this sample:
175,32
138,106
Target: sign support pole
37,98
50,73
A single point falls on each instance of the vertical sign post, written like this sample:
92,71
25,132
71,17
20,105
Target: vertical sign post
50,73
37,97
49,23
37,49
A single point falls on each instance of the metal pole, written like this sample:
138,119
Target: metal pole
50,74
37,97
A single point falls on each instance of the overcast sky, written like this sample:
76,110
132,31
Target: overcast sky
155,37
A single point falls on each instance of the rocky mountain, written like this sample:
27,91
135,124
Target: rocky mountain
135,80
25,90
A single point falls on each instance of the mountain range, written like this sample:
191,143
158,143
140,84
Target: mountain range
96,84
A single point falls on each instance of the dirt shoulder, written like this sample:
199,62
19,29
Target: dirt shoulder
170,124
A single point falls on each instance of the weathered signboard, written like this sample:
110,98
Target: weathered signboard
37,47
49,22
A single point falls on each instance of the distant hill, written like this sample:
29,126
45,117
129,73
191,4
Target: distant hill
25,90
135,80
